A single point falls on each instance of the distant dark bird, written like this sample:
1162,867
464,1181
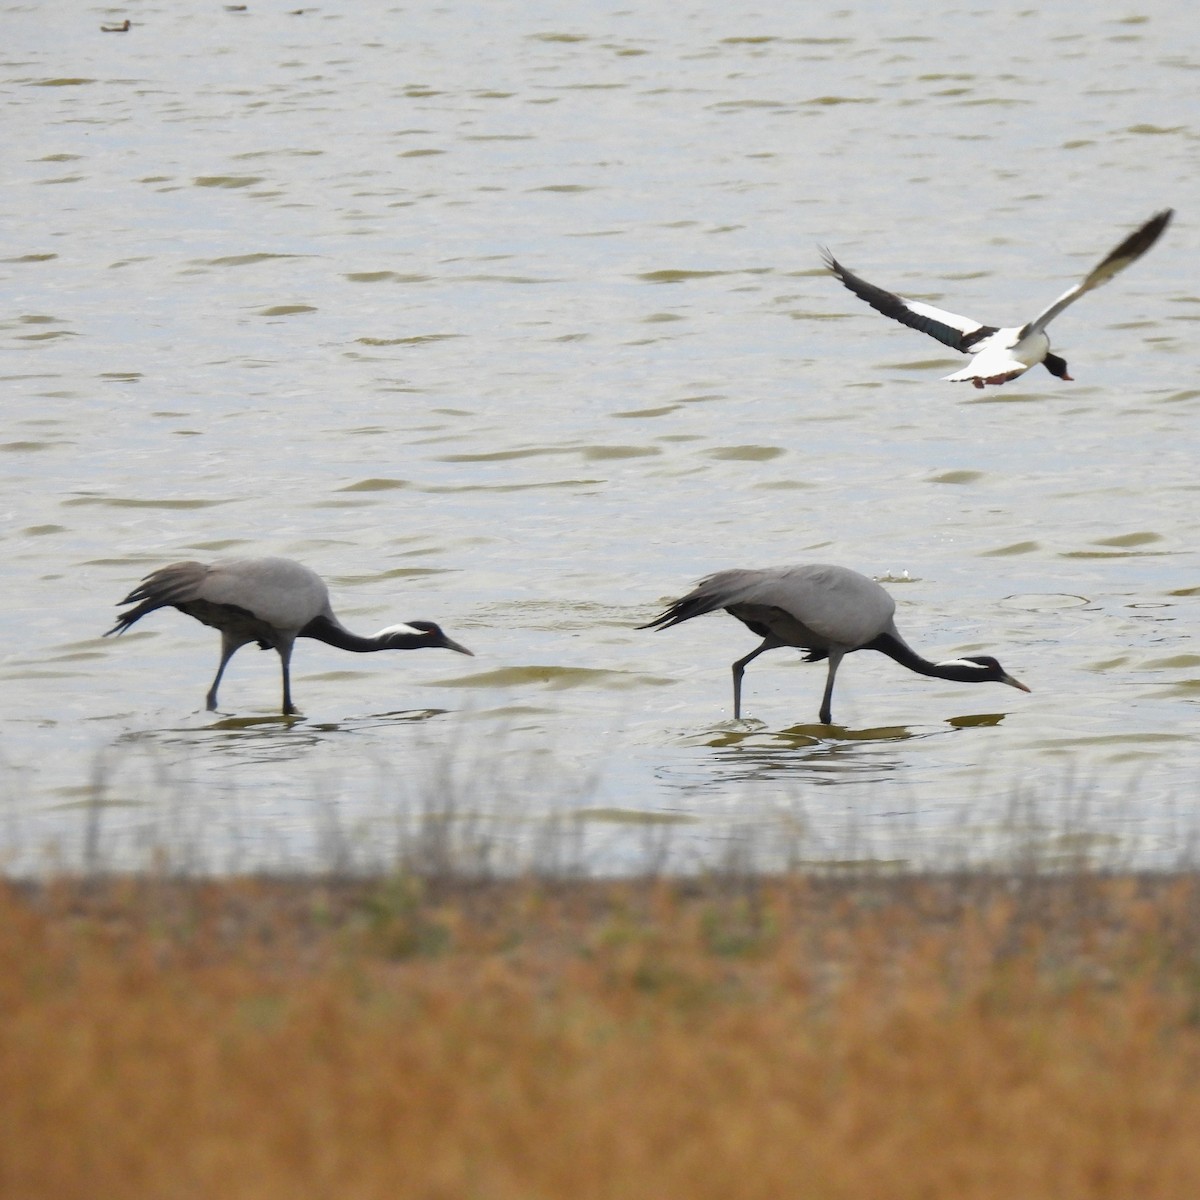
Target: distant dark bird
828,611
123,27
271,601
1000,354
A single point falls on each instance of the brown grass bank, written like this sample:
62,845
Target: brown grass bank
1018,1037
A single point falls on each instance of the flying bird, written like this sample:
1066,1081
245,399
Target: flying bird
827,610
271,601
999,355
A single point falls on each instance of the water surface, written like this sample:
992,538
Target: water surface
511,316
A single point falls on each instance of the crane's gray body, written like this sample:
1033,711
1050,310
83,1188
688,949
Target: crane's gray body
815,606
254,599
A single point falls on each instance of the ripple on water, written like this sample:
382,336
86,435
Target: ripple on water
664,410
419,339
1125,545
201,385
243,260
556,678
746,453
959,477
375,485
632,816
1047,602
135,502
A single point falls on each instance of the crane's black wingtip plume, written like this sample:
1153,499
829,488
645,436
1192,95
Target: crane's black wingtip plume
124,620
659,622
681,610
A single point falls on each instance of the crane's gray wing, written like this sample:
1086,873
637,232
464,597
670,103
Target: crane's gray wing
959,333
278,591
1130,250
840,606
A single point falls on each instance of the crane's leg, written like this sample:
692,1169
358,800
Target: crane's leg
835,658
229,647
739,669
285,658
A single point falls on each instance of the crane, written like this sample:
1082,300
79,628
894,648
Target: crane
271,601
829,611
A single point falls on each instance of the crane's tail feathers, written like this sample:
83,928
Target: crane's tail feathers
693,605
125,619
160,589
714,591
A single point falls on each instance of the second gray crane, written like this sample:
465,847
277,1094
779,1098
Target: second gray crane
829,611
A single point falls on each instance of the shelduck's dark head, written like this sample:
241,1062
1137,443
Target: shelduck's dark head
1057,366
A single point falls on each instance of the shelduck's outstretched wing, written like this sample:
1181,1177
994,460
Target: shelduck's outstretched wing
1130,250
959,333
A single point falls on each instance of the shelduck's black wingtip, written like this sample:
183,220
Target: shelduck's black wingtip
1141,239
1158,222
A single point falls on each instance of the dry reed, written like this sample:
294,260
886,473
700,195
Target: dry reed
964,1037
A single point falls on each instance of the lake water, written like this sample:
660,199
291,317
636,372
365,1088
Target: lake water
511,316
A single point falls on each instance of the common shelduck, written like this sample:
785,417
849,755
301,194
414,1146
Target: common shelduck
999,355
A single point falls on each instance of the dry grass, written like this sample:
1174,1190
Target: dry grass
922,1037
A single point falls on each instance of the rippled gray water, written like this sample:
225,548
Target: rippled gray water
511,316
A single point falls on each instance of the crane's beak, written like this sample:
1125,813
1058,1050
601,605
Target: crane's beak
1016,683
449,644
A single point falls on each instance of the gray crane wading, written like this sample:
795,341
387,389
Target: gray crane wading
828,611
271,601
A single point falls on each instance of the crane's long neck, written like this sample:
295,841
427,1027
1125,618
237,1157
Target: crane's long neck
332,632
895,647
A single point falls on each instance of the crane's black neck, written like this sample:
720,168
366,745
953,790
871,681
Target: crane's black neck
335,634
906,656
